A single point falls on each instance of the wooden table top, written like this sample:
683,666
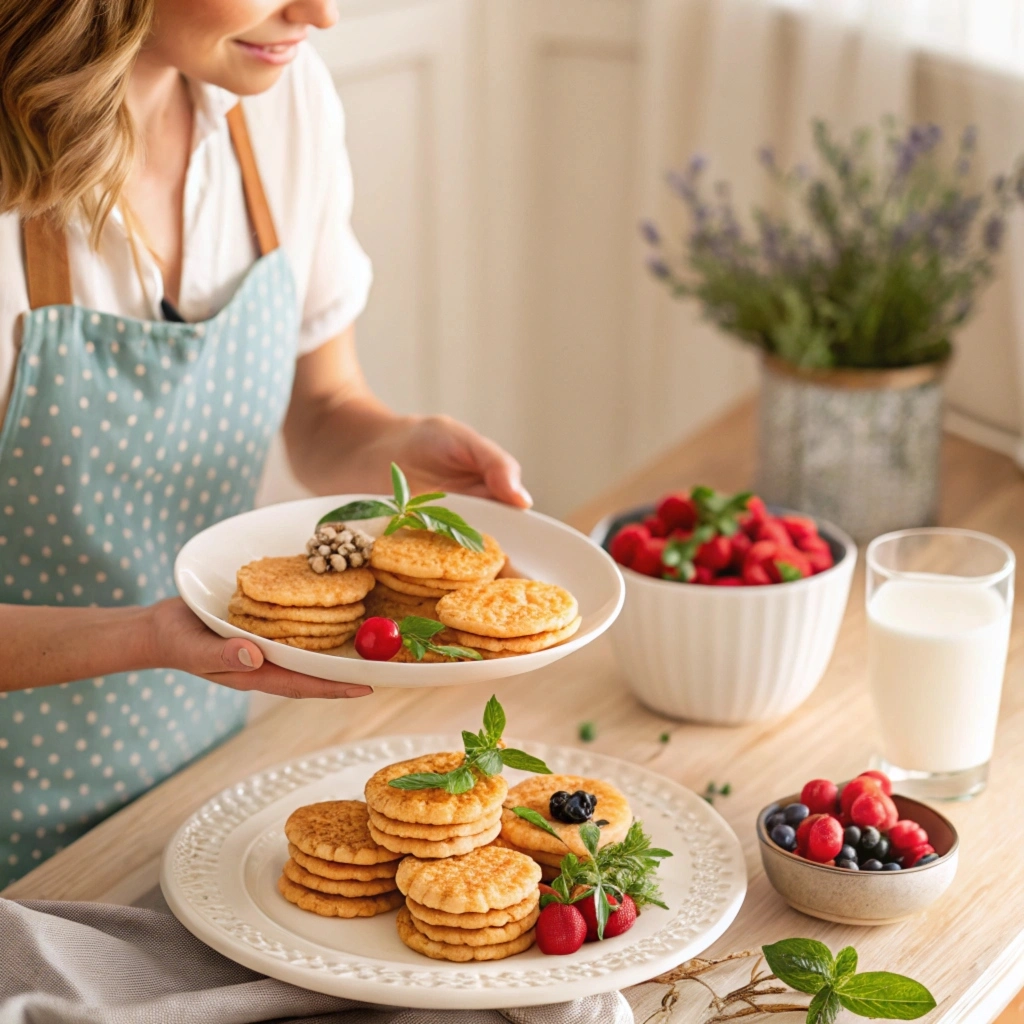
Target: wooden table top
968,948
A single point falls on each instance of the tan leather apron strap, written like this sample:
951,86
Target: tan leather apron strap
47,272
255,197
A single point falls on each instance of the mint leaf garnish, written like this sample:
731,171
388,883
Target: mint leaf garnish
803,964
846,963
787,572
535,818
524,762
882,994
412,513
824,1007
416,635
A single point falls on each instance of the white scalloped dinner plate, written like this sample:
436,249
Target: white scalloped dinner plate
538,546
220,872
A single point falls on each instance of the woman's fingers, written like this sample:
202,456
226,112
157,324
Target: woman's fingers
240,655
500,471
273,679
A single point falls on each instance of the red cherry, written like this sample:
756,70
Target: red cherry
880,777
891,813
907,834
378,639
868,810
909,859
852,790
560,929
820,796
625,543
824,839
803,829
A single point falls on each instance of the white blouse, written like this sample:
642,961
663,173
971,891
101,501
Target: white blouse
298,135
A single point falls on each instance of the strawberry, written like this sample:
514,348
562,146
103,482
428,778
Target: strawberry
656,526
789,556
561,929
714,554
620,919
702,574
647,559
677,511
819,561
755,575
799,528
625,543
727,581
772,529
741,545
755,515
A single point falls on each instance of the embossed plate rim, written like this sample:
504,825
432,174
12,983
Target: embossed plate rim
192,872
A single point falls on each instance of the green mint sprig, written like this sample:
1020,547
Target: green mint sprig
716,514
626,868
413,513
808,966
484,756
417,634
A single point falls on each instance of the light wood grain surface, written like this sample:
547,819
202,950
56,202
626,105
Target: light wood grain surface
968,949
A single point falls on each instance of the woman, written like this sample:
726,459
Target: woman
178,279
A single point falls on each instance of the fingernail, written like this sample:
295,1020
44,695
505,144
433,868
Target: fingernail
524,493
358,691
245,657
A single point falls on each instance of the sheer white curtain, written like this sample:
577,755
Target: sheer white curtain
724,76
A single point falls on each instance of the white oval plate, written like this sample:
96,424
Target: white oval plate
538,546
220,871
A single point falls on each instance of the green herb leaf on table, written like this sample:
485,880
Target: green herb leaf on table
587,732
803,964
414,513
483,754
824,1007
882,994
846,963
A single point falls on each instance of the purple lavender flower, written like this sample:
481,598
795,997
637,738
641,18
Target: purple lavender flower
767,157
697,164
659,268
992,234
969,138
650,232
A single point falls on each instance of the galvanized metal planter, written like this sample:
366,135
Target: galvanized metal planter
858,447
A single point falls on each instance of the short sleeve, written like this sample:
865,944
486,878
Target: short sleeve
340,272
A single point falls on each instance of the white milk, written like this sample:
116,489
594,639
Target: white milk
936,655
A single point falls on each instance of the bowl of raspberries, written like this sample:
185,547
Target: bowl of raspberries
856,853
732,607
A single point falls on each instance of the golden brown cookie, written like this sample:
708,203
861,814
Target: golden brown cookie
476,936
382,597
273,629
336,830
242,605
488,878
433,806
409,589
535,793
551,861
315,643
516,644
412,830
335,886
415,939
424,555
327,905
432,583
405,656
426,848
290,581
549,874
488,919
342,872
508,608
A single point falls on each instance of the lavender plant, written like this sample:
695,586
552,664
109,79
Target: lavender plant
881,262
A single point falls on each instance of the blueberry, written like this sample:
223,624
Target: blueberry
556,805
784,836
847,853
795,813
891,866
880,851
927,859
871,865
869,838
778,818
851,836
847,864
572,808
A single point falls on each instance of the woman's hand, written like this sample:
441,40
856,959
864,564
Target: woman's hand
437,453
182,641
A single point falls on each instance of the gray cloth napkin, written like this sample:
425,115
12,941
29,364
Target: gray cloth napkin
92,963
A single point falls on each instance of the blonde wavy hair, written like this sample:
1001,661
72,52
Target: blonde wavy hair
66,137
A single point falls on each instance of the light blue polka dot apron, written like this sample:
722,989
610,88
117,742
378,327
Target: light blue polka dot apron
123,438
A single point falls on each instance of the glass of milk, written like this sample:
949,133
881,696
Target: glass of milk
938,607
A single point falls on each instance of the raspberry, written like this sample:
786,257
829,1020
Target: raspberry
824,839
803,830
647,559
868,810
880,777
677,511
911,858
625,543
852,790
907,834
820,796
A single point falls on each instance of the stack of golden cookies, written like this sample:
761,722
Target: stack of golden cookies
535,793
433,823
335,869
508,616
282,599
414,568
482,905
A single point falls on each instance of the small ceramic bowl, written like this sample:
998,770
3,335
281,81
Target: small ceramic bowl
728,655
862,897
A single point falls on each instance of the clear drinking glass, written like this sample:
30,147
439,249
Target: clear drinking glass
939,603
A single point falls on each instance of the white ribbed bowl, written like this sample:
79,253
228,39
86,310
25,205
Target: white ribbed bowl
728,655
